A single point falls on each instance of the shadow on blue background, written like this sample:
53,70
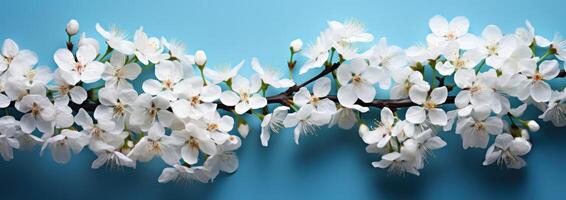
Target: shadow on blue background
331,164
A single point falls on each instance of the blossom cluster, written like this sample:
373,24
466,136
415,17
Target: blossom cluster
188,113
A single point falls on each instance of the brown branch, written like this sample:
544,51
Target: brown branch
286,97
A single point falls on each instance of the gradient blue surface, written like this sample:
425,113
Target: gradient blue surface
330,165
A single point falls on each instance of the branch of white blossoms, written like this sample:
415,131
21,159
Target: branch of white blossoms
186,113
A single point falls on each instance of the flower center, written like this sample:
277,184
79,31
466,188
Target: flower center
429,105
492,49
193,143
537,76
357,79
79,67
168,84
31,75
314,100
475,89
119,109
35,109
154,146
450,36
212,127
153,110
245,96
195,100
120,73
459,63
479,126
64,89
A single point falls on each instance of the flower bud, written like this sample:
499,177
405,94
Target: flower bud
296,45
533,126
243,129
200,58
72,27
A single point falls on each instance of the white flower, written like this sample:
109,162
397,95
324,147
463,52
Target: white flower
508,150
115,105
271,76
168,74
318,53
320,90
456,30
556,109
214,126
357,80
535,86
101,134
156,143
387,59
193,141
85,68
72,27
12,57
84,40
61,145
514,60
475,129
386,129
462,65
493,45
177,50
272,122
108,154
244,95
183,173
195,99
477,91
116,39
429,106
427,141
64,114
346,118
148,49
527,36
346,34
404,79
117,72
4,99
200,58
306,120
400,162
66,91
9,131
30,75
296,45
225,159
39,113
147,110
224,74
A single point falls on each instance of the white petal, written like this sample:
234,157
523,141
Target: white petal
549,69
229,98
347,95
322,87
437,116
439,95
541,91
152,86
78,94
415,115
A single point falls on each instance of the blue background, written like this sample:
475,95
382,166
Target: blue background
331,164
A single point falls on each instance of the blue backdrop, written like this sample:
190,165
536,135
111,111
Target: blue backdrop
330,165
